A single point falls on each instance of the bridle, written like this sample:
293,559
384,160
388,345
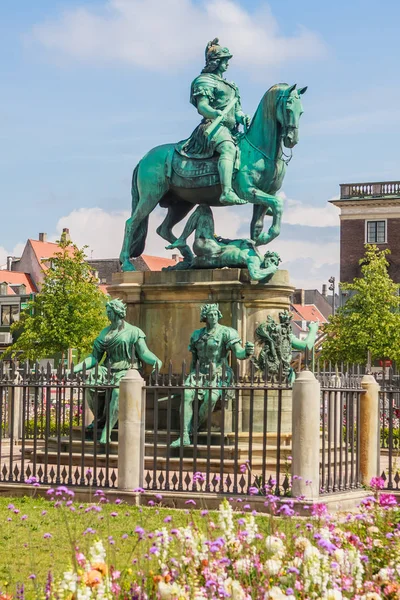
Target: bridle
286,127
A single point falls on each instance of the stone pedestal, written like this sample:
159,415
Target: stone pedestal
166,304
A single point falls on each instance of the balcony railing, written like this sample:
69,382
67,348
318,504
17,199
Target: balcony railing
370,190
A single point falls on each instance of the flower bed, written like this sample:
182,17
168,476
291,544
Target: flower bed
232,553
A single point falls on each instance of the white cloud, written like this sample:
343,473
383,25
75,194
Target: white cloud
103,231
298,213
156,34
310,264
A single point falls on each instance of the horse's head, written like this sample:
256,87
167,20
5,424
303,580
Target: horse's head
289,111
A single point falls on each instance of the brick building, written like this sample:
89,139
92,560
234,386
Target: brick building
369,214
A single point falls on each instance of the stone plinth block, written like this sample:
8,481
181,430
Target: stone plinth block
166,304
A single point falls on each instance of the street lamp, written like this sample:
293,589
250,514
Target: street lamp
332,289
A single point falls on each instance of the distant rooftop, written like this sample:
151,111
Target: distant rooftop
369,191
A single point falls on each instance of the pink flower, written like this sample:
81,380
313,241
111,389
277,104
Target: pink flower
377,483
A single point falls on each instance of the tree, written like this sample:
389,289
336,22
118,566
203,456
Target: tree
369,322
67,313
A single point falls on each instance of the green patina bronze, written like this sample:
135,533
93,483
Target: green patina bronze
123,346
217,165
213,252
278,342
210,348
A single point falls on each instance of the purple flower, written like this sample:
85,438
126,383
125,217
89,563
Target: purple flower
89,530
114,514
32,576
151,503
139,531
167,519
204,513
326,545
253,491
139,490
289,592
47,536
24,517
11,507
118,501
190,502
124,536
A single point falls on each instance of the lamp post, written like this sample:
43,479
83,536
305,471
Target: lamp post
332,288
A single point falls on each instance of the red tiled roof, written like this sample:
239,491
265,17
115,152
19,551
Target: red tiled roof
45,250
308,312
156,263
16,278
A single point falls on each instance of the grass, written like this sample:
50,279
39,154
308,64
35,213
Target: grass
36,537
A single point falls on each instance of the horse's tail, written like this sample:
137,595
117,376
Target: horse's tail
138,241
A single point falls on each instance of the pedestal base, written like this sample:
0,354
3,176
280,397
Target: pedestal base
166,304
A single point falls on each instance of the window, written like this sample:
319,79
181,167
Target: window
376,232
9,314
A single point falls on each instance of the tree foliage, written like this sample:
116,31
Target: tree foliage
370,319
68,312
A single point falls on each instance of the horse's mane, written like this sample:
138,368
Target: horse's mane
268,102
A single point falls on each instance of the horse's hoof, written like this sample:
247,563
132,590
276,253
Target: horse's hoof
127,266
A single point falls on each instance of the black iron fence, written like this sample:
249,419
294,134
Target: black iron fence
390,427
242,446
340,432
43,417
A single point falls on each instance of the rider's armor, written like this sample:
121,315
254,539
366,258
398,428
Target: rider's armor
219,93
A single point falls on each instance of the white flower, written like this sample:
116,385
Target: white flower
234,589
97,553
243,565
384,576
302,543
274,544
311,552
171,591
275,593
272,566
69,582
333,595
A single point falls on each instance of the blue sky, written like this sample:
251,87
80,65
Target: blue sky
88,86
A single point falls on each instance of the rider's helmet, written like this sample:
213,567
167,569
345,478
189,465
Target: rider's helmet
214,52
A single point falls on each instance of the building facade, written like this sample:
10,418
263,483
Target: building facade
369,214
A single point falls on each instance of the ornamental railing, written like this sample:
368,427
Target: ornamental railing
370,190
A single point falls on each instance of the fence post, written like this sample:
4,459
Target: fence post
306,435
131,433
15,427
369,429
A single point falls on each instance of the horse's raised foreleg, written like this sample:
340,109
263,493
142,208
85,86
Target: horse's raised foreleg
176,212
265,204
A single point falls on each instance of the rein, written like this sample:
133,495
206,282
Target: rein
281,153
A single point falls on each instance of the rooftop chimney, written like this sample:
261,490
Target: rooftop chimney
42,237
65,234
324,290
9,263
